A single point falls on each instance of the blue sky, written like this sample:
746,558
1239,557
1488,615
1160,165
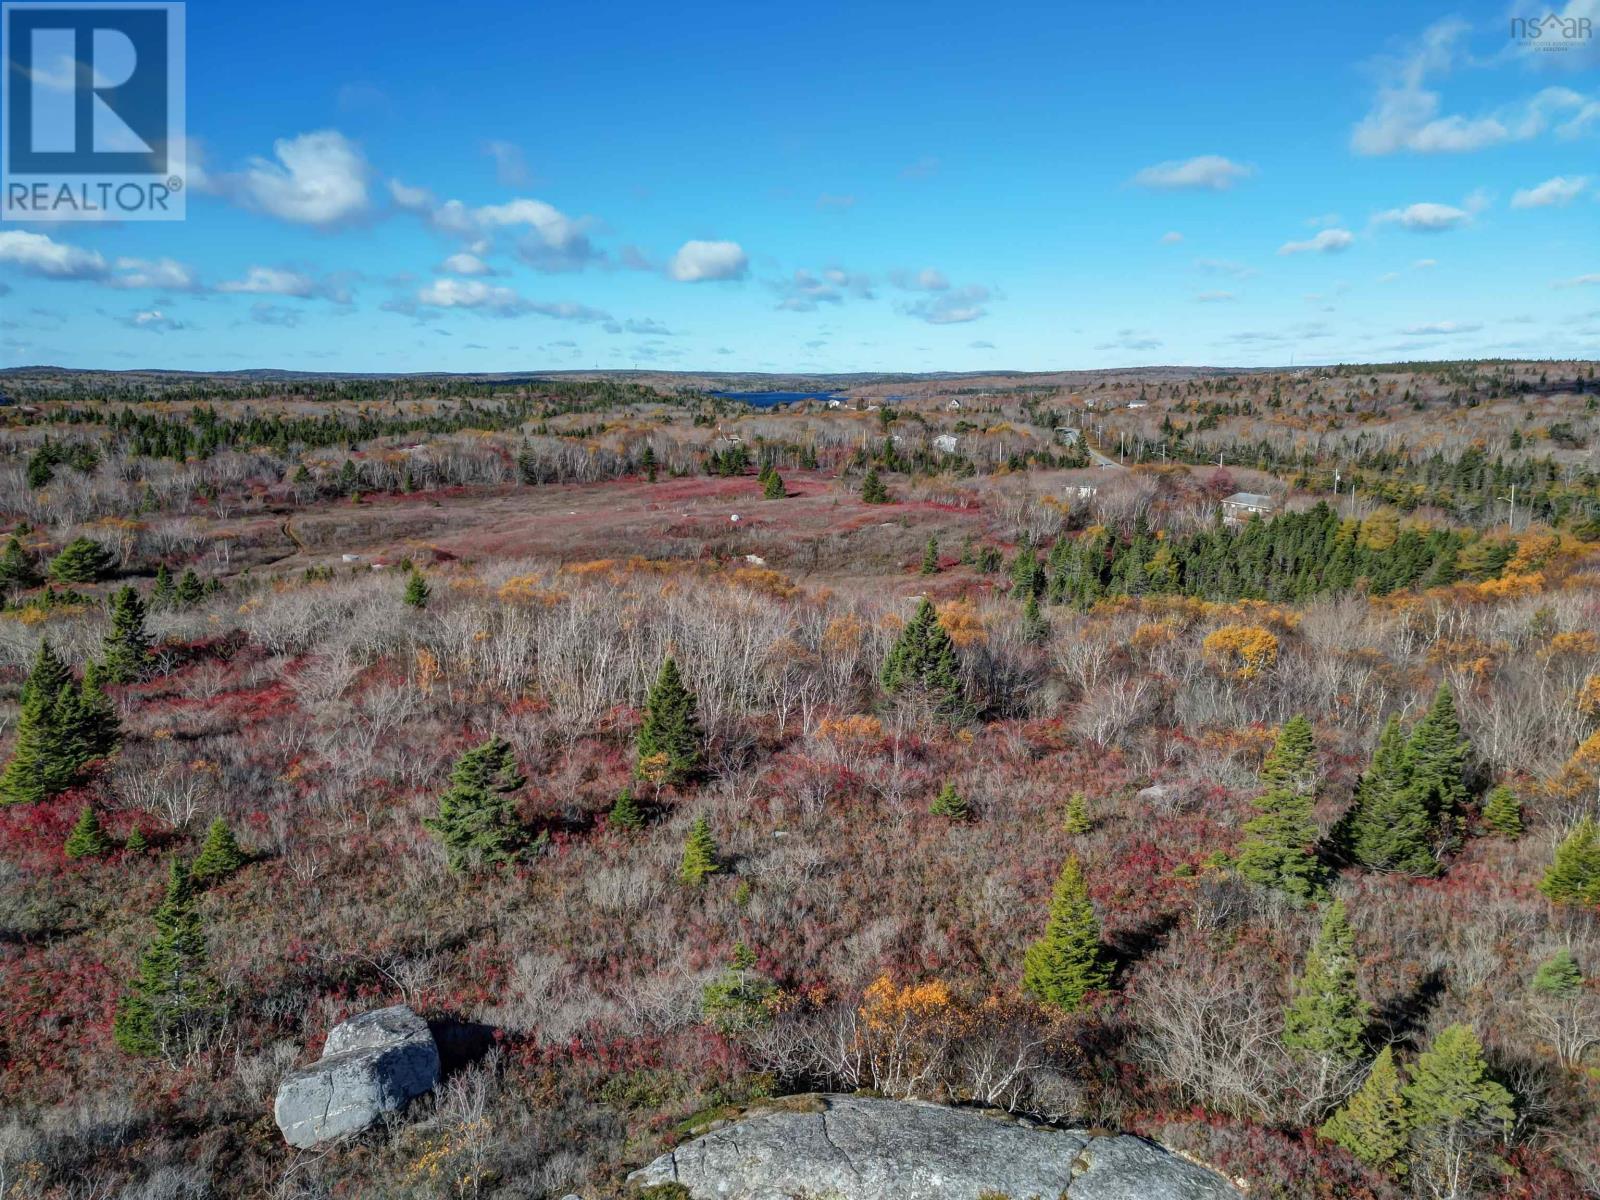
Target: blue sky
930,186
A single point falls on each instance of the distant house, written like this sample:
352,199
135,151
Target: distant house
1241,506
1086,491
835,403
1067,435
954,405
1138,404
945,443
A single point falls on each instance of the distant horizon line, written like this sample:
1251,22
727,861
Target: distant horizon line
725,373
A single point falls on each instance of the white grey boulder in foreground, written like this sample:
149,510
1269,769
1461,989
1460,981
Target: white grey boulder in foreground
852,1148
372,1064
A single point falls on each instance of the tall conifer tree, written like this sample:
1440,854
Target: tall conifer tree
1067,962
1276,852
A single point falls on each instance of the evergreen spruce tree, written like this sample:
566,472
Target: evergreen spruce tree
39,762
773,488
137,843
172,998
1572,878
96,730
16,565
190,590
923,664
699,854
1035,627
80,561
1502,813
626,814
1077,821
164,592
670,745
417,590
1436,758
1455,1111
1067,962
477,820
126,652
219,856
647,462
930,557
1389,827
872,489
951,804
1327,1016
1372,1123
1276,850
1558,976
88,837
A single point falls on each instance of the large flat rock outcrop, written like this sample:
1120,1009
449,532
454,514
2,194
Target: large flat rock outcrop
855,1148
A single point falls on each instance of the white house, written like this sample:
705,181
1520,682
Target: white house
946,443
1241,506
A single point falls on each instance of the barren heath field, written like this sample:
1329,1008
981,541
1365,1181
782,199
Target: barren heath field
486,787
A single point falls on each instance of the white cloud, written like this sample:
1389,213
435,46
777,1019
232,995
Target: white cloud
548,239
1130,339
1329,241
165,274
1209,172
556,242
476,295
153,321
38,254
951,306
271,281
465,264
1223,266
1407,114
641,326
705,262
837,203
1578,281
1440,328
511,166
1214,297
279,315
412,199
1552,192
1425,264
803,291
319,179
928,279
1425,217
1172,238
